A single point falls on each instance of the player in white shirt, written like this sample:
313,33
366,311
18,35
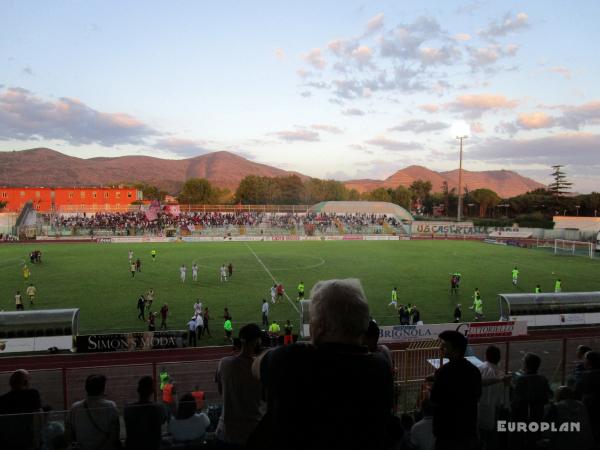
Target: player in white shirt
182,272
223,273
130,256
198,308
273,293
265,314
195,272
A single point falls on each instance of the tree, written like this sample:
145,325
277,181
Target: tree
253,190
560,186
150,192
196,191
485,198
449,197
420,190
286,190
401,196
377,195
317,190
3,205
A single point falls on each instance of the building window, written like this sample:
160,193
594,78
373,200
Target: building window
82,194
37,194
71,194
94,194
118,205
106,195
5,194
118,194
129,195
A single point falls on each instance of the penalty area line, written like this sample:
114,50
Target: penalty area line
272,277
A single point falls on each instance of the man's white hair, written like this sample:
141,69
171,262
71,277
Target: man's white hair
338,310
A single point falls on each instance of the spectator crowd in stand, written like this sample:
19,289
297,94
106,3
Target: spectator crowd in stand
336,392
139,221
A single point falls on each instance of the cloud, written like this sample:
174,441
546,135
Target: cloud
561,70
315,58
362,55
476,128
483,57
420,126
568,148
508,24
430,108
27,70
474,105
306,94
575,117
279,54
403,42
298,135
392,145
376,23
24,116
535,120
182,147
353,112
329,128
304,73
340,47
443,55
462,37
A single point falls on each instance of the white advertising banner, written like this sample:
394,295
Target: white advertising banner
409,333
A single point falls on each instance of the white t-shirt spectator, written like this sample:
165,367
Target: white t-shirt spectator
265,308
492,396
421,434
191,429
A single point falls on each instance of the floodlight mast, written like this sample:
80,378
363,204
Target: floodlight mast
460,193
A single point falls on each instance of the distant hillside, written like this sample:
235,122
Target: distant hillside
504,182
45,167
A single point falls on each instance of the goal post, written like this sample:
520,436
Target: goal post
576,248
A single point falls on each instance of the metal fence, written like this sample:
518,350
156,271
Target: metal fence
62,386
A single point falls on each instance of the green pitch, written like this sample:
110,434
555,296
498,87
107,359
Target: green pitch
96,278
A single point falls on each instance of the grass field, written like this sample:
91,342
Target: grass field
96,278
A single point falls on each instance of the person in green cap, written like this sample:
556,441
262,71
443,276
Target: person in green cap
558,286
538,289
163,376
515,276
228,329
301,290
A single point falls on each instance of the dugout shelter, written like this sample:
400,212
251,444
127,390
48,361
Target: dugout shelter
39,330
551,309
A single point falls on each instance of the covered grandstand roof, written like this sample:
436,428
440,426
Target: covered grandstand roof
356,207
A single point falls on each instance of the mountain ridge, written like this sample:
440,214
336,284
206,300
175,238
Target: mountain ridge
48,167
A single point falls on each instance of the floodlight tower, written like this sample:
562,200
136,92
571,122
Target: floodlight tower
460,193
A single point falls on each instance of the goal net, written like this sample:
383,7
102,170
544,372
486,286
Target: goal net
576,248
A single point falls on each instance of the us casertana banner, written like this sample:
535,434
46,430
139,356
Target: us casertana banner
473,330
130,342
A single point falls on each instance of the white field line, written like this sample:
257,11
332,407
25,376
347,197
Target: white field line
272,277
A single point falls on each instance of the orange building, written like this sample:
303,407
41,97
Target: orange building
65,199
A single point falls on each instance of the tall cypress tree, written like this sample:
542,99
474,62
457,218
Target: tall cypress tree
560,186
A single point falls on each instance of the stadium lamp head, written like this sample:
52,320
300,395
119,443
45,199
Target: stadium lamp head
460,129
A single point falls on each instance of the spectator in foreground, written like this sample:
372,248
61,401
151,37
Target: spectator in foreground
144,418
568,410
371,340
19,431
579,368
588,390
531,394
52,432
421,434
344,390
242,393
492,397
189,426
94,422
455,393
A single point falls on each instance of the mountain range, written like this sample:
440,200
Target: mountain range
46,167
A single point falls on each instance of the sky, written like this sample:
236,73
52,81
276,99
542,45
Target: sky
332,89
